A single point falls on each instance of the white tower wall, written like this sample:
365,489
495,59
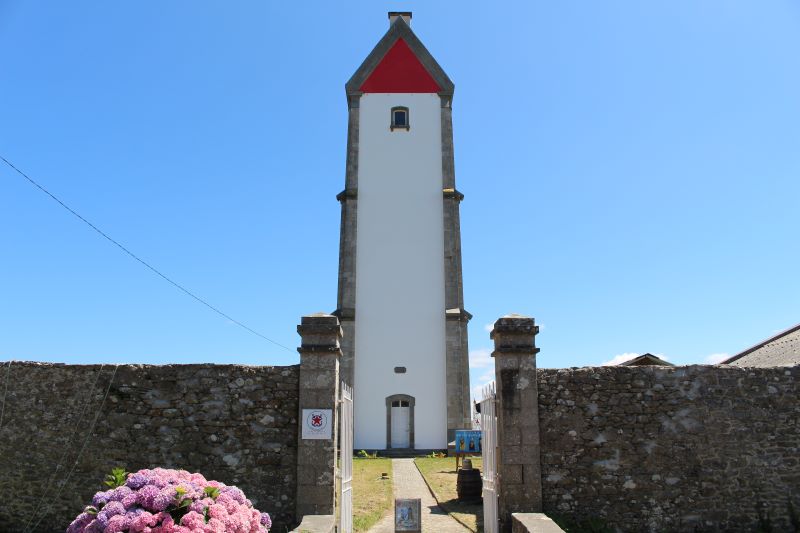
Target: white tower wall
400,292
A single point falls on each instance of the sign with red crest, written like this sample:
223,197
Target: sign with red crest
317,423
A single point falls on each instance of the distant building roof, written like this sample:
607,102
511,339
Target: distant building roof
782,349
647,359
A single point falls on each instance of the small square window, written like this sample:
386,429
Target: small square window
400,118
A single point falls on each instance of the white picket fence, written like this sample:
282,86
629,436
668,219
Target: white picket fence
346,460
491,522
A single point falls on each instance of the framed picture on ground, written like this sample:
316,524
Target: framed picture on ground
407,514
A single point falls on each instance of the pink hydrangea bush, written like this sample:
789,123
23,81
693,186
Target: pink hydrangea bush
170,501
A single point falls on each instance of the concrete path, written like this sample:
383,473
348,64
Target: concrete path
408,483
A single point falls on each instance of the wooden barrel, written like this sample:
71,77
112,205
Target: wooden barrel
469,485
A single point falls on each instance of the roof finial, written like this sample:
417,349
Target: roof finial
405,15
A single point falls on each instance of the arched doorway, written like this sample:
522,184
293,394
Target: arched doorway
400,421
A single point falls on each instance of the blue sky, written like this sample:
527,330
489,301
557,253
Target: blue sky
630,170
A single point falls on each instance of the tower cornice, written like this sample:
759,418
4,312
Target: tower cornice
349,193
448,193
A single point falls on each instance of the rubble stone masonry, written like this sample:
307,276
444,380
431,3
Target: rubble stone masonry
236,424
696,448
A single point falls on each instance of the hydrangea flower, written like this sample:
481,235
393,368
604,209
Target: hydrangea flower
170,501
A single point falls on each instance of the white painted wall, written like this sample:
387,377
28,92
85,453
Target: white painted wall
400,311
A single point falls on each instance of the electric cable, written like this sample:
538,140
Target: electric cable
5,392
80,453
142,261
67,448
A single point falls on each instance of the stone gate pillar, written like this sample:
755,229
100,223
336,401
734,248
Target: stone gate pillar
320,353
518,467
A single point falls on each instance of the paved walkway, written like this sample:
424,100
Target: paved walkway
408,483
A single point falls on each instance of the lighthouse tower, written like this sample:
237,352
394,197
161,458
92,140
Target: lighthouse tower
400,298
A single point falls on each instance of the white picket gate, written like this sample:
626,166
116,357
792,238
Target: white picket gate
491,523
346,460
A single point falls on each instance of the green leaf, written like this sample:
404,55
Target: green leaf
179,492
180,509
211,492
116,478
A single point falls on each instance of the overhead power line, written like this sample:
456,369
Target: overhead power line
80,453
142,261
67,448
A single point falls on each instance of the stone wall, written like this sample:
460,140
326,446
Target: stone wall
694,448
235,424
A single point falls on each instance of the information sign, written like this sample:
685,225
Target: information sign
468,441
317,423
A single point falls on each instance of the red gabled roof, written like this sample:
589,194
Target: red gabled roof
400,71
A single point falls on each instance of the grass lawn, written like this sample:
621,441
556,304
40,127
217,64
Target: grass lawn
372,496
441,476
